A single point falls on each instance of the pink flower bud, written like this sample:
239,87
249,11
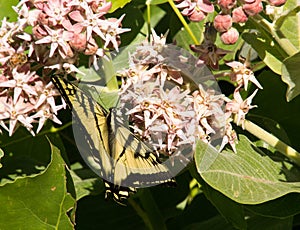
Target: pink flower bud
254,8
227,4
238,15
222,23
79,42
230,37
276,2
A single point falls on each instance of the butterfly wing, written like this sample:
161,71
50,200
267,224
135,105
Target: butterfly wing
110,148
90,127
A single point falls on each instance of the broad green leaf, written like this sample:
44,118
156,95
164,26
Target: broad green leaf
230,210
40,200
22,155
291,19
265,223
184,40
290,75
282,207
247,177
266,50
215,223
116,4
7,10
85,181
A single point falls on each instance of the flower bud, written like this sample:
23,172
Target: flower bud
276,2
230,37
227,4
238,15
222,23
254,8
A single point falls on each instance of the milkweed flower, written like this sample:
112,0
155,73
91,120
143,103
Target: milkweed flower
162,109
240,107
242,74
61,30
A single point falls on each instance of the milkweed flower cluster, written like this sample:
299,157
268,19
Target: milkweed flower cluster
230,11
61,30
162,109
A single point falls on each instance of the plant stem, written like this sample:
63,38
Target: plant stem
156,221
181,18
148,18
140,212
286,150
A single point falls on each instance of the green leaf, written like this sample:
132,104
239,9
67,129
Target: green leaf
41,200
85,181
265,223
116,4
266,50
23,155
7,10
291,19
183,38
215,223
290,75
282,207
248,177
230,210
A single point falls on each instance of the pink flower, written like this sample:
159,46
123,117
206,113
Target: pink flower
18,112
239,106
195,10
21,82
55,11
230,137
242,74
89,21
111,29
58,39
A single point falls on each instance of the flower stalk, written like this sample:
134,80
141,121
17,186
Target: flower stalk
262,134
186,26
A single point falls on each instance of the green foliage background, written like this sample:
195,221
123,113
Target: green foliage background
46,185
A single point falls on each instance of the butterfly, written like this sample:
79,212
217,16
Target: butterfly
109,147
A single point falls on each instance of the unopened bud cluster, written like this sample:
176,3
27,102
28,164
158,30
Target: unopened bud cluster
231,11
